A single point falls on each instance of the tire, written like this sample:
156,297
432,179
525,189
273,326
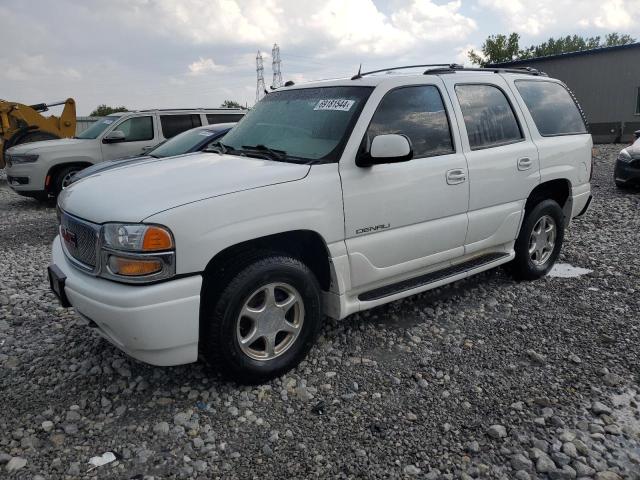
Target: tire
245,306
531,266
61,179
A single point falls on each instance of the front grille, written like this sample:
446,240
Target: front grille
80,239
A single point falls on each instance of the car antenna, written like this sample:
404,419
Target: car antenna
359,74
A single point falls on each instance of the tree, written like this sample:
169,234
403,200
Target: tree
104,110
231,104
499,48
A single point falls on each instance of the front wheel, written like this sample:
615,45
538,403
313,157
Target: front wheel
62,179
264,321
539,242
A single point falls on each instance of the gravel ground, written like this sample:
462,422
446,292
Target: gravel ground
485,378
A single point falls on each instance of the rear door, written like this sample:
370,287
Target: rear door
401,218
502,159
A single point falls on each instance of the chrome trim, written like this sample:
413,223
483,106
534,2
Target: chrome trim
93,270
168,260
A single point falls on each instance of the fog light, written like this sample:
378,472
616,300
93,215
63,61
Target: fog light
131,267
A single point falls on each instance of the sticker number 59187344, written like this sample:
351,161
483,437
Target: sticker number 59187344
340,104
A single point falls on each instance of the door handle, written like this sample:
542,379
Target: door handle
456,176
524,163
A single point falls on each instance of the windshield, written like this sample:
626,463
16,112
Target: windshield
311,124
97,128
182,143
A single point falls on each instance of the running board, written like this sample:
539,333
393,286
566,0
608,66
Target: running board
431,277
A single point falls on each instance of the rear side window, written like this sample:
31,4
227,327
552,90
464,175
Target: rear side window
488,116
418,113
213,118
175,124
552,108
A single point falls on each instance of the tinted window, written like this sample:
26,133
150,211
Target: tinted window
175,124
137,129
223,117
184,142
418,113
488,116
552,108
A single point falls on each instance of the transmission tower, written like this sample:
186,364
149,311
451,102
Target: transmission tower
277,74
260,88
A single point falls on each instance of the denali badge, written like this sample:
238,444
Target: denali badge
69,237
372,229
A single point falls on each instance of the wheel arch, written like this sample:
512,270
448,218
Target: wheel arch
53,170
558,189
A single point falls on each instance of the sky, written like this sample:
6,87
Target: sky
198,53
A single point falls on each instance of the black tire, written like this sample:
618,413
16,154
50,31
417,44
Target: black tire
221,316
61,177
523,266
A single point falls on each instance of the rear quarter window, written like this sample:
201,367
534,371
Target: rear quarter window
552,108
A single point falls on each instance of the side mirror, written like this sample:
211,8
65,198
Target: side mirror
390,148
116,136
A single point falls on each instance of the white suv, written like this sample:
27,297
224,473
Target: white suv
43,169
329,198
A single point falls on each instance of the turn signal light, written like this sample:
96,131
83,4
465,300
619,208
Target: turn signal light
155,239
131,267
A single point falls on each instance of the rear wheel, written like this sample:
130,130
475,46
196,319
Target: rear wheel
539,242
264,321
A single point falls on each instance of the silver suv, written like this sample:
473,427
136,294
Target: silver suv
43,169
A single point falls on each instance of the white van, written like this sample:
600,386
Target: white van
43,169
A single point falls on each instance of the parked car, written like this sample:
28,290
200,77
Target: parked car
194,140
627,170
329,198
43,169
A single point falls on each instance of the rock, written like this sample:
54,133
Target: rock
497,431
47,425
600,408
611,379
411,470
161,427
180,418
536,357
522,475
473,447
583,470
607,475
570,450
520,462
545,464
16,463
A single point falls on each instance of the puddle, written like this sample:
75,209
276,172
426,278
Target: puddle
565,270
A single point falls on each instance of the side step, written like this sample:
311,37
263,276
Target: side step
431,277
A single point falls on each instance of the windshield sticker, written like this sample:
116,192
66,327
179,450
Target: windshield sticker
205,134
340,104
107,122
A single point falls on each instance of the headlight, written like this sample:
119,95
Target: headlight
136,253
18,159
623,156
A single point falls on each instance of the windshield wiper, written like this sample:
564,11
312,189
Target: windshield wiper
274,154
219,147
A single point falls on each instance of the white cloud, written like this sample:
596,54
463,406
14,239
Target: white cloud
204,65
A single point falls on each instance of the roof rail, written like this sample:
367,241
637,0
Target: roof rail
234,109
438,68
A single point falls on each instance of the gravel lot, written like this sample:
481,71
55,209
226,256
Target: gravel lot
486,378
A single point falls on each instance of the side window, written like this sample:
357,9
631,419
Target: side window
552,108
175,124
213,118
488,116
417,112
137,129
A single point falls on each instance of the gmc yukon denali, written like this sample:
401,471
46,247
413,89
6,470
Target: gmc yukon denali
327,198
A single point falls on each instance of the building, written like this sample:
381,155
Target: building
606,82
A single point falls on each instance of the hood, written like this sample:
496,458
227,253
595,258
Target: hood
108,165
61,144
133,192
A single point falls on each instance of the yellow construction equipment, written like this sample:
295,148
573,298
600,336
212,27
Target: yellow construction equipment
21,123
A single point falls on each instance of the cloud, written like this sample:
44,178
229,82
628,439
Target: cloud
204,65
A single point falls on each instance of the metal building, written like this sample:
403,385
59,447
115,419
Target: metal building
606,82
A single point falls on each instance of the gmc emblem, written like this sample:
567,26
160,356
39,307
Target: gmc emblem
69,237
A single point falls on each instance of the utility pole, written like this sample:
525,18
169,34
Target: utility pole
277,74
260,88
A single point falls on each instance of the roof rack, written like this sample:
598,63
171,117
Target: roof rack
188,109
438,68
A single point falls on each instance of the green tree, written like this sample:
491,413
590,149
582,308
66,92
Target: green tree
500,48
104,110
231,104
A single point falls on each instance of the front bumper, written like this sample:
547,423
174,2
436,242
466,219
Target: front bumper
26,177
157,324
627,173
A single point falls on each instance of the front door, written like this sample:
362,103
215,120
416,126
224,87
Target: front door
139,134
402,218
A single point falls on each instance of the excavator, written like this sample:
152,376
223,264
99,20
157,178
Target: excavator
21,123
